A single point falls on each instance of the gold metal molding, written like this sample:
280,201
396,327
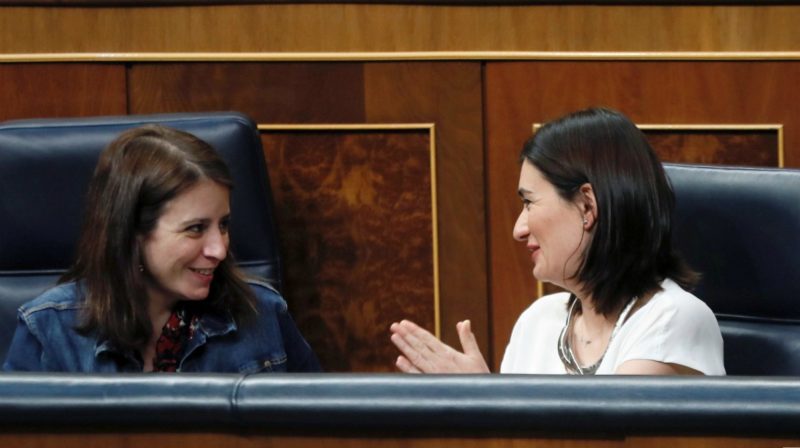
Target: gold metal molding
404,56
431,129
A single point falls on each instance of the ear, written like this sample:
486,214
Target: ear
587,204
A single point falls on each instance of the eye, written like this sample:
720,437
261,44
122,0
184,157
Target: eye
196,229
224,225
526,203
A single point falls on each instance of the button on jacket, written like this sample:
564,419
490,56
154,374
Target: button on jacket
46,340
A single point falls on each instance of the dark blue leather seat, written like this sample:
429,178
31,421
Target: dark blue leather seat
45,167
403,406
740,227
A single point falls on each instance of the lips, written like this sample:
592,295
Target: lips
534,250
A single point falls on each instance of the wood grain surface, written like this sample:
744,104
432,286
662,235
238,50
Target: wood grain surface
397,28
61,90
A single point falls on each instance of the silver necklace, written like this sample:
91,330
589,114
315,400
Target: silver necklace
565,347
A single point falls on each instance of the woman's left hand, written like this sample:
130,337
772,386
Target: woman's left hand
423,353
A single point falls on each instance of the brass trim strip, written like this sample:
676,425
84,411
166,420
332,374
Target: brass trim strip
404,56
431,128
711,127
345,127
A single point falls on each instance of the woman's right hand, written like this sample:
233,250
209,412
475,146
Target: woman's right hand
423,353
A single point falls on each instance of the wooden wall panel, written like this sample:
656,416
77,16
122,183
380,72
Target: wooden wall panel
520,94
448,95
268,92
355,220
393,28
61,90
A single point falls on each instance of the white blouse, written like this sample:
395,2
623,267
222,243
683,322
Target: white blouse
673,327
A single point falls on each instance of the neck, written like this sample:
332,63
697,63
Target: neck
592,327
159,308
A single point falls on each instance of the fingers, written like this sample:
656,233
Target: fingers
413,350
470,346
421,335
405,365
420,348
421,352
418,338
467,338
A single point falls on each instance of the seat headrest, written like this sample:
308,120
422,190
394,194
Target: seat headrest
739,228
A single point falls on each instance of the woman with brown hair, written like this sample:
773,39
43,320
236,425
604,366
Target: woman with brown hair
596,218
154,286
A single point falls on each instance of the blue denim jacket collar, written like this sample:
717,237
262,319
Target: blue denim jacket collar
47,339
210,325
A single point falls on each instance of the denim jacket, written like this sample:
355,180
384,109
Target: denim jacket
46,340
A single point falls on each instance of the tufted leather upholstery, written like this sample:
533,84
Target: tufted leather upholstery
45,168
740,227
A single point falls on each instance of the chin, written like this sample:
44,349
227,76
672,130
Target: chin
196,295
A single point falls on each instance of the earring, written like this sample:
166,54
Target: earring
141,268
585,221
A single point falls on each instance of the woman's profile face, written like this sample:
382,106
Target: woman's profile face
187,244
551,227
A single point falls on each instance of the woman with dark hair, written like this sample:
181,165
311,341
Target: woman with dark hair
596,218
154,286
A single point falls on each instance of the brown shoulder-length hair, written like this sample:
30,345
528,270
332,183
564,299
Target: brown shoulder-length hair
136,176
631,251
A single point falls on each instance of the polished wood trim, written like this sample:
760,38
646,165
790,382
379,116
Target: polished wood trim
431,128
405,56
398,28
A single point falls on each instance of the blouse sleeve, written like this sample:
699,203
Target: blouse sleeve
679,331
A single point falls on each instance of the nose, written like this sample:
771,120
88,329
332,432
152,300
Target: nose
521,230
216,245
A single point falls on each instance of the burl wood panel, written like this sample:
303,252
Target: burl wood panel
733,147
354,213
268,92
519,94
61,90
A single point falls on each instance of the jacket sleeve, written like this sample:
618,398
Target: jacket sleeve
25,352
300,356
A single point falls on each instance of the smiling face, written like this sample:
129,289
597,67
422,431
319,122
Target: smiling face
553,228
189,241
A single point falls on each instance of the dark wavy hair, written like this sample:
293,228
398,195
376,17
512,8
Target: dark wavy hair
136,176
631,251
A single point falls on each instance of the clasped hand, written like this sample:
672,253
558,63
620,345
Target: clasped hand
422,352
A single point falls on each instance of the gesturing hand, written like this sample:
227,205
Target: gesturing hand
423,353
